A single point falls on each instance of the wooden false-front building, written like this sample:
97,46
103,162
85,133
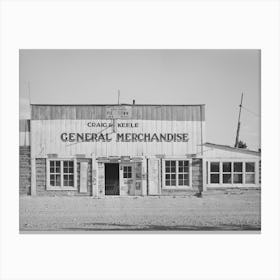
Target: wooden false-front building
124,150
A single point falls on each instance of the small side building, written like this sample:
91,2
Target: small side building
229,167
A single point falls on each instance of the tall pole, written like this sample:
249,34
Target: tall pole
238,125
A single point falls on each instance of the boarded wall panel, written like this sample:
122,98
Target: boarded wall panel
146,112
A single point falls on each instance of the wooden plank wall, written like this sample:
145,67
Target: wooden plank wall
145,112
46,138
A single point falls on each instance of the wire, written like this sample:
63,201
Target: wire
255,114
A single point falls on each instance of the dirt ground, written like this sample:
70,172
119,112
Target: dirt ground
228,210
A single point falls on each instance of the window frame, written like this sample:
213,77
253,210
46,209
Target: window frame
61,187
250,173
177,186
226,160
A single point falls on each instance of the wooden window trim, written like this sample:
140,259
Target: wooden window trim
243,184
177,187
62,187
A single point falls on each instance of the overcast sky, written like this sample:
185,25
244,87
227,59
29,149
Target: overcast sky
215,78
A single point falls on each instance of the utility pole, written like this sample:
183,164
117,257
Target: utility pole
238,125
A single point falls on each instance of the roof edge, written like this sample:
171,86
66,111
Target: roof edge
226,147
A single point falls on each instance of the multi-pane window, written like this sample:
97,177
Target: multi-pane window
215,173
55,173
170,173
232,172
183,172
250,173
177,173
127,172
61,173
227,178
237,172
68,173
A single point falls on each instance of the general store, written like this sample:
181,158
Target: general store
127,150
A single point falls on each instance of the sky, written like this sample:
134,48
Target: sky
215,78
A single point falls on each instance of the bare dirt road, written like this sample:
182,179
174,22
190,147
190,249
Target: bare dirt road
215,211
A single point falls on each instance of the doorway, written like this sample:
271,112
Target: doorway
112,179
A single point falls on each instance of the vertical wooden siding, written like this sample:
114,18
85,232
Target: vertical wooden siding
45,139
145,112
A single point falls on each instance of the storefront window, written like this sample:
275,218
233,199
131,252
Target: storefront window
177,173
59,169
55,174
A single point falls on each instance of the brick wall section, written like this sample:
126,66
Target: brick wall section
24,170
41,180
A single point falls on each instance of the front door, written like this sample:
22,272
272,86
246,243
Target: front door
112,181
127,174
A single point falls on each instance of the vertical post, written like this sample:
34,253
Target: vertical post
144,176
33,176
204,187
94,179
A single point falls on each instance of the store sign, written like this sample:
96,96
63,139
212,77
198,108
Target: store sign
124,137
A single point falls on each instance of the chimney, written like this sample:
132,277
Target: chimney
133,102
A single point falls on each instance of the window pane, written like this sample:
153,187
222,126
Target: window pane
173,182
173,176
237,167
167,182
57,179
129,168
181,176
186,183
181,182
52,163
250,178
215,167
52,170
237,178
173,169
167,176
181,169
167,169
186,163
214,179
186,176
227,178
226,166
250,167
